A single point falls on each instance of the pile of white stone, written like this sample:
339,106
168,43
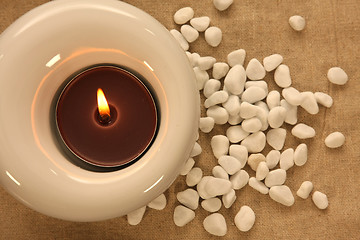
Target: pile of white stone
238,96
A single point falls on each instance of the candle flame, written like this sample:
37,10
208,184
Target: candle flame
103,105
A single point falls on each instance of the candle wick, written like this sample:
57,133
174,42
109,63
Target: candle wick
104,118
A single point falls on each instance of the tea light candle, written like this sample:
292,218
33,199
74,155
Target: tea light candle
106,116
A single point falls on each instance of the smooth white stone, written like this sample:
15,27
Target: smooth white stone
206,124
216,98
217,186
158,203
219,172
234,120
247,110
300,154
235,80
229,198
254,160
213,36
303,131
320,200
276,138
262,171
258,186
220,69
276,117
189,33
272,158
230,164
262,114
236,133
200,23
245,219
251,125
210,87
253,94
219,114
337,76
282,194
183,215
219,145
305,189
273,61
287,159
180,39
239,179
292,96
189,198
205,63
323,99
194,176
291,112
236,57
297,22
309,102
187,166
211,204
135,217
259,83
232,105
200,187
255,70
195,56
255,142
240,153
273,99
222,5
201,78
215,224
335,140
196,150
275,177
282,76
183,15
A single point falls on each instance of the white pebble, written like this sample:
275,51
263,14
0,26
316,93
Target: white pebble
251,125
211,204
196,150
135,217
183,215
292,96
303,131
219,145
222,5
210,87
297,22
291,112
232,105
189,198
273,99
229,198
158,203
253,94
217,186
206,124
201,188
189,33
240,153
183,15
180,39
287,159
255,70
262,171
320,200
245,219
260,83
220,69
235,80
337,76
219,172
254,160
234,120
215,224
213,36
335,140
219,114
195,56
239,179
200,23
305,189
275,177
282,76
262,114
201,77
282,194
236,133
255,142
276,138
276,117
194,176
258,186
272,158
216,98
236,57
187,166
309,103
230,164
324,99
205,63
300,154
273,61
247,110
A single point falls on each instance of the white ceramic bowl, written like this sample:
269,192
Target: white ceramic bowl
37,54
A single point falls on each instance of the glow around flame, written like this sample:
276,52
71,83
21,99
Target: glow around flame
103,105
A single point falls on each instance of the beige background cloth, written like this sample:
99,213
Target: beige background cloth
331,38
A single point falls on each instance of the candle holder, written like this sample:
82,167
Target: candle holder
38,53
